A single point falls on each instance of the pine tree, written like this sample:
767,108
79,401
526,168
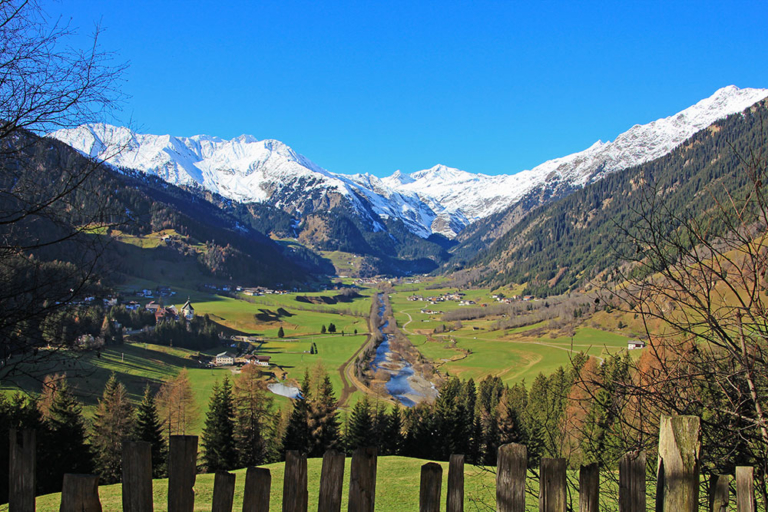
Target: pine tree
67,450
149,428
297,432
280,332
510,413
380,425
253,418
219,449
451,432
112,423
538,417
468,399
322,329
331,327
393,435
360,427
324,427
420,428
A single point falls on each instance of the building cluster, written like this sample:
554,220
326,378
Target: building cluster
258,291
448,296
230,359
170,313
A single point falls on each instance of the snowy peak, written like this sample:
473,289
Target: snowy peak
441,199
643,143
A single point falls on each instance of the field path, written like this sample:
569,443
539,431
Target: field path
350,383
410,319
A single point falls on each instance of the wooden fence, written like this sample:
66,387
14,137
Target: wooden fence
677,482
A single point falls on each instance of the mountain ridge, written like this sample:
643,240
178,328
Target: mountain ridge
441,199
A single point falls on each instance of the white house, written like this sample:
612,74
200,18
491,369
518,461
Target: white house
635,344
224,359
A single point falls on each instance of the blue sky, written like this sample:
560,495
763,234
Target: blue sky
485,86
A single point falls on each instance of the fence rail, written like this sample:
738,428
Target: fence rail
677,480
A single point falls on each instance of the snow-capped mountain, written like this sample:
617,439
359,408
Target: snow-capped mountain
437,200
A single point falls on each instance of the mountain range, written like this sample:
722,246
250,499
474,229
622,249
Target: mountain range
404,223
441,200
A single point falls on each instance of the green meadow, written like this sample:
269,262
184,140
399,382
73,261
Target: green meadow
476,349
472,350
139,364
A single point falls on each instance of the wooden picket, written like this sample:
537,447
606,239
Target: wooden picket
677,484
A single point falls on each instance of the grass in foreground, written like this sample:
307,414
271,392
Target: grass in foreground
397,488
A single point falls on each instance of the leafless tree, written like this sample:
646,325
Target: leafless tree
48,254
698,280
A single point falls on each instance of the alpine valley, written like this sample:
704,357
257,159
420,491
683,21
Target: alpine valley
430,220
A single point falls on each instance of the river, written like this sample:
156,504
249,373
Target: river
402,375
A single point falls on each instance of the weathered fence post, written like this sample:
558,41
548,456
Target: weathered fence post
362,480
589,488
745,489
510,477
295,495
678,471
331,482
80,493
719,493
182,470
22,468
223,491
455,499
552,485
632,482
256,494
137,476
430,486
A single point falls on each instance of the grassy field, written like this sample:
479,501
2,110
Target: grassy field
397,488
476,349
139,364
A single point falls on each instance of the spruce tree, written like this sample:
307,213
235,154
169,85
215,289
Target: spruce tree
360,427
450,432
380,426
219,450
253,418
297,433
280,332
393,434
149,428
112,423
67,450
324,424
468,399
322,329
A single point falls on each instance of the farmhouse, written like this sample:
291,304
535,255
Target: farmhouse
635,344
224,359
166,314
254,359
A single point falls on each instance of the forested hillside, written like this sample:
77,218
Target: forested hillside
565,244
108,201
